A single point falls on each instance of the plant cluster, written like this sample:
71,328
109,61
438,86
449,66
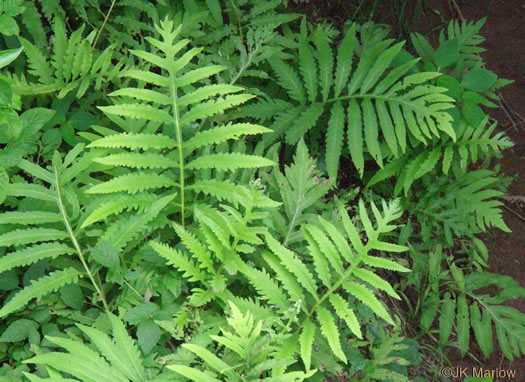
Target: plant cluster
222,191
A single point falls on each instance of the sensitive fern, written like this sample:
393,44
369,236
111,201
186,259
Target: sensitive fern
373,105
180,109
341,276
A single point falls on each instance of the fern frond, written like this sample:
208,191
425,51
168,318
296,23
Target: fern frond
30,255
135,141
382,100
120,233
31,235
117,204
132,183
230,161
190,270
39,288
27,218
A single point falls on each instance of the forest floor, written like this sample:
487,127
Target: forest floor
504,33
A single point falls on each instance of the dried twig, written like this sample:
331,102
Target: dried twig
514,212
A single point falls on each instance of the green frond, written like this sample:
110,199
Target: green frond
195,247
129,353
222,134
135,141
31,217
326,61
33,254
190,270
39,288
116,205
366,296
290,261
132,183
138,160
30,235
330,332
229,161
306,341
288,79
344,311
308,68
126,229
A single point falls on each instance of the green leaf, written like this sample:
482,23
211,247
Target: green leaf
344,311
463,324
129,353
72,296
148,335
306,341
447,54
330,332
106,255
132,183
31,235
229,161
215,9
211,359
8,26
367,297
334,139
192,374
18,330
4,181
288,79
355,135
446,319
8,56
39,288
479,80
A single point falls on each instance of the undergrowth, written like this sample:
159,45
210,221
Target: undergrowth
173,204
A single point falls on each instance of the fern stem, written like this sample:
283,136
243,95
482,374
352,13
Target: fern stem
104,23
75,241
178,133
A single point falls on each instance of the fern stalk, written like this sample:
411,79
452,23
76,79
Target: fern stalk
178,132
74,240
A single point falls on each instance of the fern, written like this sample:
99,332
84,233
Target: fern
463,308
115,358
366,97
471,144
177,110
466,204
74,65
244,346
329,250
301,188
49,242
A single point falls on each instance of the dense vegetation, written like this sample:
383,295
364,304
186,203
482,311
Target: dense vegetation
222,190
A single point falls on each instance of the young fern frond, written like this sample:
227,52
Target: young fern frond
179,104
301,188
367,100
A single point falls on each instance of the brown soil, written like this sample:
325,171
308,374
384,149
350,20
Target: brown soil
504,32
